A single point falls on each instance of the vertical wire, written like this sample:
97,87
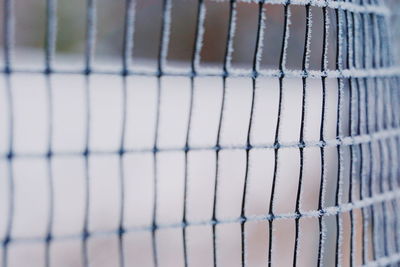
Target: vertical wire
226,66
393,160
282,64
396,111
381,225
231,34
358,126
339,134
387,219
50,50
90,43
155,174
8,44
305,66
129,30
357,57
382,143
396,99
245,188
376,106
121,154
11,184
256,66
392,152
392,146
161,64
195,62
186,173
370,129
51,34
91,28
50,219
381,106
217,150
352,127
365,149
322,188
165,36
395,145
86,154
8,34
127,49
199,36
396,169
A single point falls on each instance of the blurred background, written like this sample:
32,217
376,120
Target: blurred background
30,31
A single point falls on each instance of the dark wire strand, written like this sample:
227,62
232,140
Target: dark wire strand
8,34
396,158
127,49
339,132
50,51
194,64
161,64
217,155
396,98
360,99
11,182
226,66
186,173
282,63
51,34
165,36
91,30
352,128
322,186
256,64
385,102
365,149
91,25
256,61
231,33
121,154
305,66
246,177
128,39
199,36
393,154
50,175
155,174
86,155
370,111
390,120
375,147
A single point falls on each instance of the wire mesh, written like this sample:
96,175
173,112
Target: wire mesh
363,87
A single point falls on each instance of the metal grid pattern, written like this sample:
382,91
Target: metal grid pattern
364,67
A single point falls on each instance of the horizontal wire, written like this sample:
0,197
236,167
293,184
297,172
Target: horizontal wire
334,4
329,211
232,72
384,261
339,141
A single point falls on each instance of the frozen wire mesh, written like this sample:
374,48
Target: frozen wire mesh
284,154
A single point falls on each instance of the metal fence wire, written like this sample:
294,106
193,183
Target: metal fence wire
355,209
